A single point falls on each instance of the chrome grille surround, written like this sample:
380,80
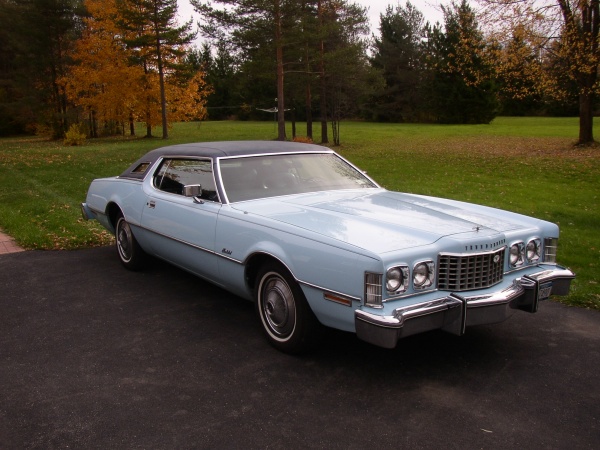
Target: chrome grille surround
469,271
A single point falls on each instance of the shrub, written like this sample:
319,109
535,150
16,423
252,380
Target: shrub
75,135
303,139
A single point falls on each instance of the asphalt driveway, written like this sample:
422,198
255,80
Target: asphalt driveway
94,356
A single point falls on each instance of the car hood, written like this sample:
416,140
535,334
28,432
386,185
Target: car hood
384,221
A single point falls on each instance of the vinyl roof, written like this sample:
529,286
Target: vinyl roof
218,150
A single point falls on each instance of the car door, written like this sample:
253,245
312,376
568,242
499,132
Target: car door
183,227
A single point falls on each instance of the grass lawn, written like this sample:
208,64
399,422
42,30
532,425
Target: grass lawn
526,165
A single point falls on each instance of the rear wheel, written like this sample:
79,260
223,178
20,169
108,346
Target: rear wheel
130,253
284,313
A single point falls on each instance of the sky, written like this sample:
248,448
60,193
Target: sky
429,8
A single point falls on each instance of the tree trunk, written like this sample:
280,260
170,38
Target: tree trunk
293,114
148,126
60,96
148,104
586,118
335,116
323,87
163,97
93,124
308,100
131,125
309,119
335,129
280,102
582,37
280,97
323,107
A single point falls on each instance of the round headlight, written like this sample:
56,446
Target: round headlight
394,279
516,254
534,250
423,275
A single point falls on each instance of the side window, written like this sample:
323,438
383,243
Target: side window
174,174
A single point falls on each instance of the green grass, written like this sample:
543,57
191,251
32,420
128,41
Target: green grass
526,165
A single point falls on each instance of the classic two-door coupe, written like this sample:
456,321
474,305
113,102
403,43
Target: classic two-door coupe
314,241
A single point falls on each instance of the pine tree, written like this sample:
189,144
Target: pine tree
157,39
462,86
255,26
343,64
223,76
282,41
40,34
398,55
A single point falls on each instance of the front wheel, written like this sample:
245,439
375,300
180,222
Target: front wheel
130,253
284,313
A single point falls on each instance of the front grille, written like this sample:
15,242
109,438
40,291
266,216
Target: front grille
464,272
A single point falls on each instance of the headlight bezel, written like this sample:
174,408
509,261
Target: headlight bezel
396,279
425,270
516,254
533,255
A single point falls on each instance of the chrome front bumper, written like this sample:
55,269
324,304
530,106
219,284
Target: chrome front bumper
454,312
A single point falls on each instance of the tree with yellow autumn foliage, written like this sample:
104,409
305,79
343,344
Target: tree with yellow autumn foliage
565,29
100,82
113,85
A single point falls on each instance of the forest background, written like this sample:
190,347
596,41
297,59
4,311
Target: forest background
89,68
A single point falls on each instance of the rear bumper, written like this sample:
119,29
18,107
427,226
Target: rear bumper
86,212
454,312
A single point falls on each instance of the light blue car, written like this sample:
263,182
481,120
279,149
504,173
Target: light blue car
314,241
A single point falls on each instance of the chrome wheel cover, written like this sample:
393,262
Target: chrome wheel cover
124,240
277,306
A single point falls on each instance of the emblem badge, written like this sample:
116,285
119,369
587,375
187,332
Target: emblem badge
496,259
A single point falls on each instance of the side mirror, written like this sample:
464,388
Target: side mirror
193,190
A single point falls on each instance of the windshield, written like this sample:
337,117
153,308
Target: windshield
273,175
